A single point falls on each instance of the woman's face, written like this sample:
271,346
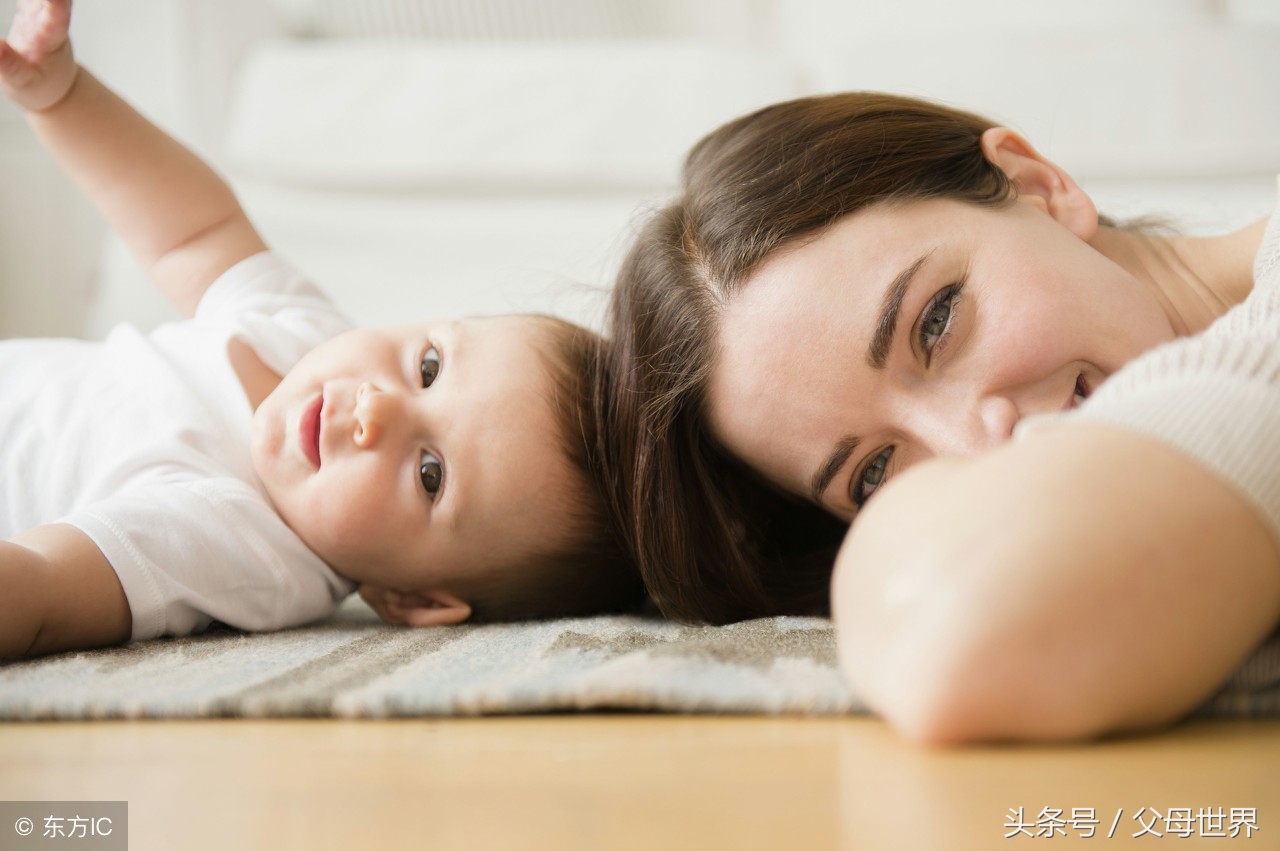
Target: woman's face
906,331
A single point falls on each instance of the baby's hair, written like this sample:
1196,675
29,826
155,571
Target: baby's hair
589,572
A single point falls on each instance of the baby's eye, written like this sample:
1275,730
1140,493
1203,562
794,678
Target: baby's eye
868,480
430,366
431,473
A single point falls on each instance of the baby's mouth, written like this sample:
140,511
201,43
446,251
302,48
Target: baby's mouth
1081,391
309,430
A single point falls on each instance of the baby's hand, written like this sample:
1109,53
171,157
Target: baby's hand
36,65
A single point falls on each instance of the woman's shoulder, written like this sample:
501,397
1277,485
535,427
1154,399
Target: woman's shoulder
1266,264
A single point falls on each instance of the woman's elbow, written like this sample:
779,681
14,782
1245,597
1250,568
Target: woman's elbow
948,681
969,607
898,630
916,676
931,642
960,698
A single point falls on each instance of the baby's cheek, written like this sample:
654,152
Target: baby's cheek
334,515
355,512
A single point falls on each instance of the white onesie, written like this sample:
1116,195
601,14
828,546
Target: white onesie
142,442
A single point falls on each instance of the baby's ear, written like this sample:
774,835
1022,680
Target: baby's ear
383,601
432,608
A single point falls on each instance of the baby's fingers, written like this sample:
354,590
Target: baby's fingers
15,72
40,27
37,68
36,87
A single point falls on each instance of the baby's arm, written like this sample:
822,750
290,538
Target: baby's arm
178,217
58,592
1083,581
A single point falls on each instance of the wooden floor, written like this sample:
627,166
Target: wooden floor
623,782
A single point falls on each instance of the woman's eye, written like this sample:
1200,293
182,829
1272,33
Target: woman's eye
430,366
872,475
936,320
431,472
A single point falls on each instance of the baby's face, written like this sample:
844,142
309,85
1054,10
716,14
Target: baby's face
406,457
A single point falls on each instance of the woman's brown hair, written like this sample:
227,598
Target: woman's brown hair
713,541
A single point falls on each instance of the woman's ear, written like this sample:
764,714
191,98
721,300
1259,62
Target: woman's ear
432,608
1040,182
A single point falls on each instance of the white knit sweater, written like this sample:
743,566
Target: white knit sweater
1215,396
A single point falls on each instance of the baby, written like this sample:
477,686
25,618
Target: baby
259,461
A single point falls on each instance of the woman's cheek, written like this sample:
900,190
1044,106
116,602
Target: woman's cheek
1012,335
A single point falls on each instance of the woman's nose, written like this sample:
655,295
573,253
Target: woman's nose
977,426
997,415
374,410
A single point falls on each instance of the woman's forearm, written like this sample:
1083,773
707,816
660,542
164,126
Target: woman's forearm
1082,581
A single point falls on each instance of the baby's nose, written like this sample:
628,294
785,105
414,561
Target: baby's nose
374,409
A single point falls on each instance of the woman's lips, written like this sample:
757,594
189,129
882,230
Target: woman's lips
309,430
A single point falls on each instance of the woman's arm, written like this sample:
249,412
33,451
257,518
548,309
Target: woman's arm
1083,581
178,217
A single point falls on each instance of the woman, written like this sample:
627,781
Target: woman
853,284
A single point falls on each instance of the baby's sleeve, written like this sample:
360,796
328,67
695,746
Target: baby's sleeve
194,552
267,303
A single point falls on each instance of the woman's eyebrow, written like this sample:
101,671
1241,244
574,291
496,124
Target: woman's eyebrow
882,340
877,354
821,479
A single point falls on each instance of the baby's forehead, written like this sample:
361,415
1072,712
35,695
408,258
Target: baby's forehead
519,323
479,332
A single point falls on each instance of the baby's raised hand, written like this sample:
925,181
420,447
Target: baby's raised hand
36,65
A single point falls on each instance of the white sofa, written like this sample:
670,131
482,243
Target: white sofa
442,157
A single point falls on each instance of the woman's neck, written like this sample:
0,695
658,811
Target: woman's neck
1195,279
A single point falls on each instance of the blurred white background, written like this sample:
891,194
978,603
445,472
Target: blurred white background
449,157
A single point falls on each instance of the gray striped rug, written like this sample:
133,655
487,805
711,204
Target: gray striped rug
355,666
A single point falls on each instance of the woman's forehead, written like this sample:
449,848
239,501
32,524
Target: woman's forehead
784,362
860,244
792,356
